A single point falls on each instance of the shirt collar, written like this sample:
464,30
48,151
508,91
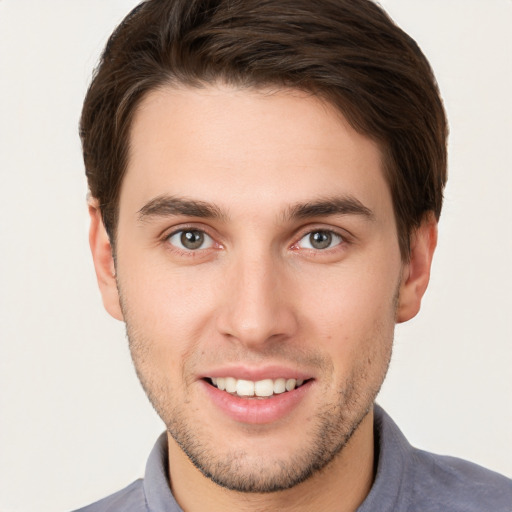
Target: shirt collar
393,454
156,480
393,457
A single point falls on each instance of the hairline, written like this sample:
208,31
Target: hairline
265,88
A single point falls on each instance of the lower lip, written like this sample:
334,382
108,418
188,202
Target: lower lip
255,410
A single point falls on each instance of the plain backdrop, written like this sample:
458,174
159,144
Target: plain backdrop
74,423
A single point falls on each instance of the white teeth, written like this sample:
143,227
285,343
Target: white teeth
264,387
261,388
279,386
230,384
245,388
290,384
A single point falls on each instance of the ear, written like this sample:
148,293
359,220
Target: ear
102,256
416,272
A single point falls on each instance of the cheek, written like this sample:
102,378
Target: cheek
168,308
352,313
349,297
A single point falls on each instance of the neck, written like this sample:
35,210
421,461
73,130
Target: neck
341,486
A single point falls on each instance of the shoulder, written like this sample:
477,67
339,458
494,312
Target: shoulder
411,480
129,499
449,483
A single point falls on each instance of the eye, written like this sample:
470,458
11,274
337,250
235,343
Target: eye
320,240
190,240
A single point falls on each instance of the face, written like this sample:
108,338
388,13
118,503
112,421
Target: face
259,276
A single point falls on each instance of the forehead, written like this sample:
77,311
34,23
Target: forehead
236,147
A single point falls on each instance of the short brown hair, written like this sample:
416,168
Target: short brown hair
348,52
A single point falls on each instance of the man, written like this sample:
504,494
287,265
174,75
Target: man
266,180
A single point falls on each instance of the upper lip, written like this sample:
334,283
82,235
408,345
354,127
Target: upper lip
258,373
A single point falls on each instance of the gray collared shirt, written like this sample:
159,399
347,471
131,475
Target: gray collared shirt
407,480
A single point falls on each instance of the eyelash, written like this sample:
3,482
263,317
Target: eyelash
189,252
332,237
343,240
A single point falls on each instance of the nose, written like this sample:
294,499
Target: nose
258,306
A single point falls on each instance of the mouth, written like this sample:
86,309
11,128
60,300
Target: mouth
273,395
260,389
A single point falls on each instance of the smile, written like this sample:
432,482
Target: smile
261,388
261,401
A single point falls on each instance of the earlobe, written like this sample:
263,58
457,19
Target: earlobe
416,272
103,259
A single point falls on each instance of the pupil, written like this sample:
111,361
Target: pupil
192,239
320,239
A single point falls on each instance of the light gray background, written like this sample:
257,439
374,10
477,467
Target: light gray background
74,424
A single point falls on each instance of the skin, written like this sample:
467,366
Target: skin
257,294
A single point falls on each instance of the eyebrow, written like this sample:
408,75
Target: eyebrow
165,206
345,205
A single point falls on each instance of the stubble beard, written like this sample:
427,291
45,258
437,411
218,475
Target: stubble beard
238,472
333,427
